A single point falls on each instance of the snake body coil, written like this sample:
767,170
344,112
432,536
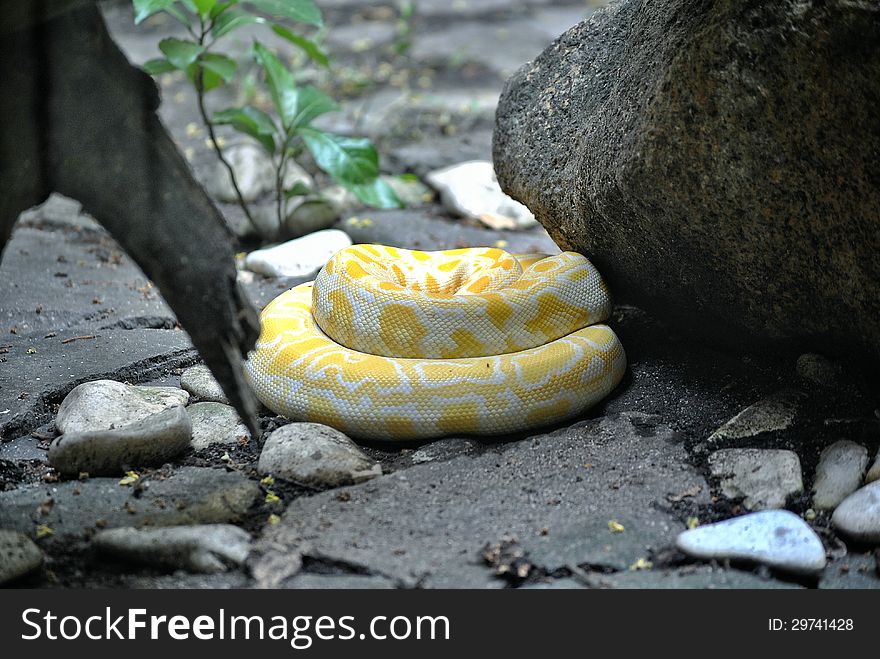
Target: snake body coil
389,343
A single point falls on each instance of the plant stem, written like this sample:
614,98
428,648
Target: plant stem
281,206
219,151
200,95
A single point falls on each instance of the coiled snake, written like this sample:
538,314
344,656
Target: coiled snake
389,343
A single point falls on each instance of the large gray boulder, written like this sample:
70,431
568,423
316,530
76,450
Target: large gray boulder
717,160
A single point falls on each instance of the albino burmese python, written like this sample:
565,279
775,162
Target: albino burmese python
390,343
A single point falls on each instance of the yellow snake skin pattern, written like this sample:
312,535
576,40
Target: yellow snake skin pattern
389,343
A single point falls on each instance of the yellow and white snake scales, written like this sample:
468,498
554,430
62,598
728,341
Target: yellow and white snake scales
390,343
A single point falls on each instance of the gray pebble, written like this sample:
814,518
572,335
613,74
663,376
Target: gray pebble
152,441
874,472
105,404
200,383
858,516
838,474
18,555
308,215
317,455
200,548
215,423
765,477
444,449
254,174
777,538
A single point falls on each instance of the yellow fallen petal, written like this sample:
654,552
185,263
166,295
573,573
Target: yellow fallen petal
130,477
615,527
43,531
271,497
268,480
641,564
274,519
693,522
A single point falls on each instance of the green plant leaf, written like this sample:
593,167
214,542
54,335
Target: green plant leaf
309,104
204,7
219,64
377,193
209,79
303,11
349,160
298,189
297,106
250,121
233,19
180,53
280,81
143,9
221,7
159,65
310,48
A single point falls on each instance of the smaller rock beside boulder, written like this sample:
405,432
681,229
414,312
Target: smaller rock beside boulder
471,190
199,548
317,455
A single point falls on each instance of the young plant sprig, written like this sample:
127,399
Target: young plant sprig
352,162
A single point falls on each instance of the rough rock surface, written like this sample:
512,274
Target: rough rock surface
192,495
18,555
147,442
107,404
199,382
215,423
197,548
765,478
838,474
717,161
316,455
858,516
429,524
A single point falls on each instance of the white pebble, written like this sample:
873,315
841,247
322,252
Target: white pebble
470,189
777,538
300,257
